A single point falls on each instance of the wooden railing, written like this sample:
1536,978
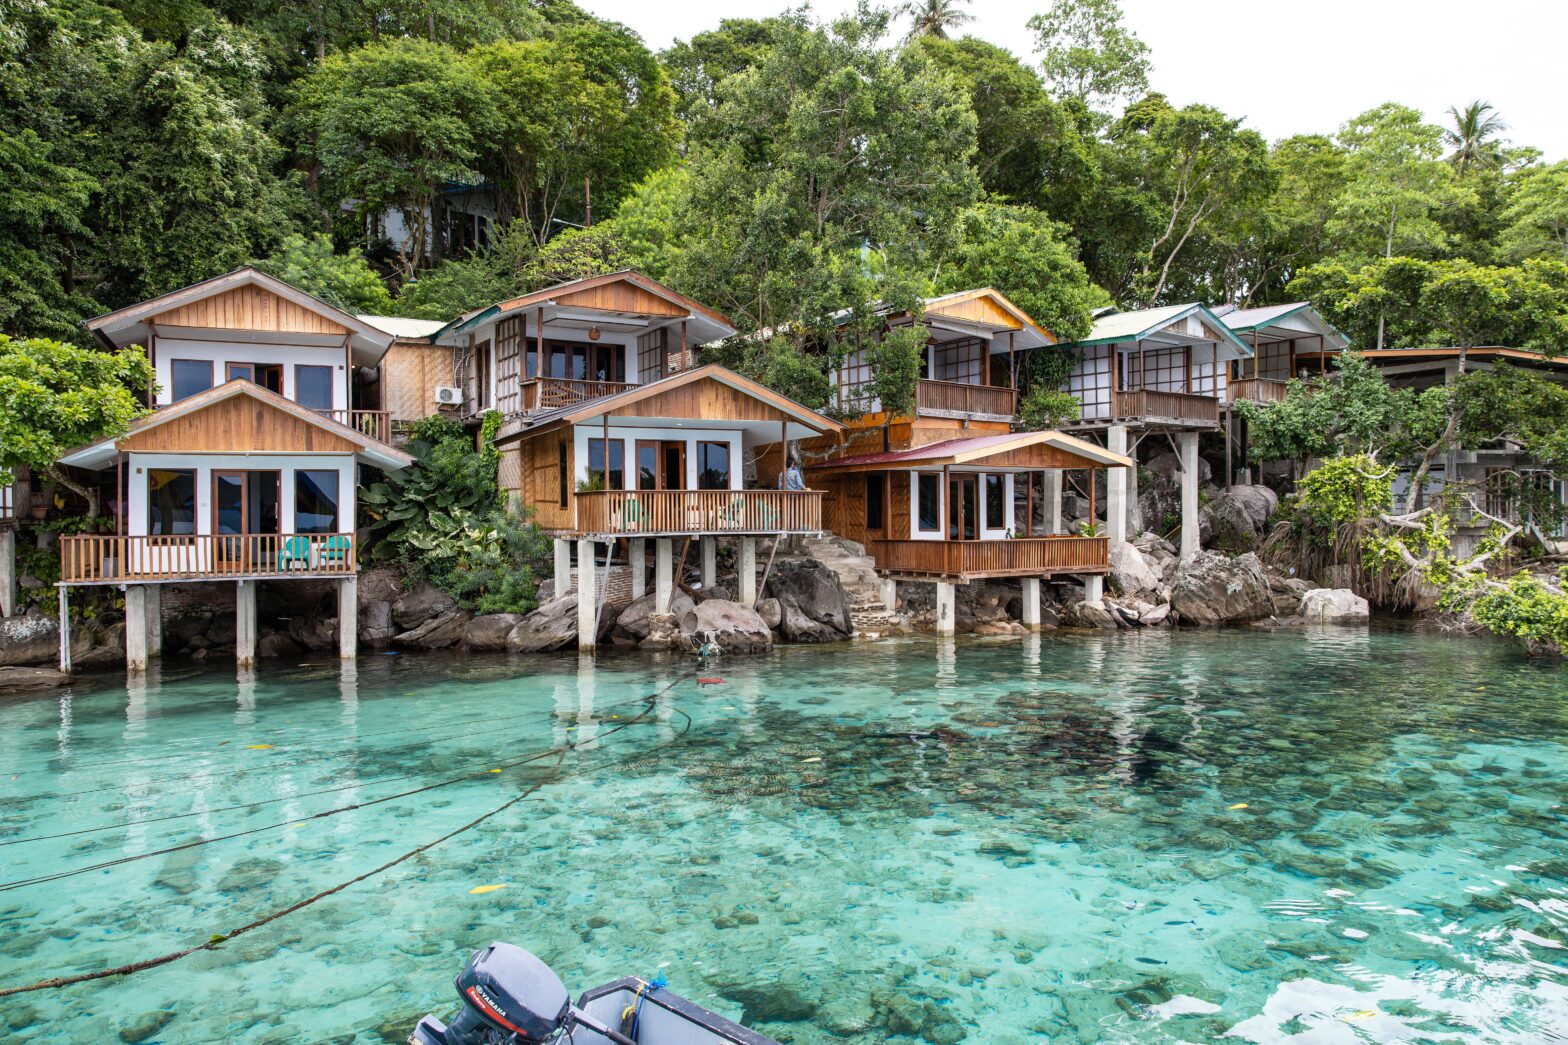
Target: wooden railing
1022,557
94,559
1257,389
375,423
1174,406
954,397
699,511
549,393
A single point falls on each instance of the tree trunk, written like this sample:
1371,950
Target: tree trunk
86,493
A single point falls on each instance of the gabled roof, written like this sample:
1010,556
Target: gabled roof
131,324
595,408
373,451
714,324
1034,336
975,450
402,327
1259,320
1113,328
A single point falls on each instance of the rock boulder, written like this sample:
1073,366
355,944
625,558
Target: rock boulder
1333,606
1210,589
552,626
633,623
424,603
15,679
1131,573
1088,614
736,628
441,632
814,606
488,631
29,640
1239,516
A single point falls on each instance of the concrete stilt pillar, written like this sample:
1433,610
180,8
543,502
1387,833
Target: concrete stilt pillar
946,611
1053,501
710,561
663,574
889,594
748,571
1031,600
587,596
563,566
1116,487
637,562
1134,512
1187,451
65,630
245,624
154,620
1093,587
136,627
7,573
348,618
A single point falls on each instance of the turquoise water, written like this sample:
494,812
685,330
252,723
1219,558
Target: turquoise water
1334,836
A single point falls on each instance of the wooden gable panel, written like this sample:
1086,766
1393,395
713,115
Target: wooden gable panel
983,309
621,296
1039,455
238,424
249,308
707,398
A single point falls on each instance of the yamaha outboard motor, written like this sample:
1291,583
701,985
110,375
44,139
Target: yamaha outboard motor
509,997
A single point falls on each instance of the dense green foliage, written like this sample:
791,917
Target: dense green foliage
444,519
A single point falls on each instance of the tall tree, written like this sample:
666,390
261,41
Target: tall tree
933,18
697,67
389,124
1475,137
1088,54
1536,217
344,280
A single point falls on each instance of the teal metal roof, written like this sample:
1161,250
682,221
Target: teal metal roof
1119,327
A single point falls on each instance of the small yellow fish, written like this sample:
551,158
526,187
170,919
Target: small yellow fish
258,747
1364,1014
805,760
481,889
1238,805
495,771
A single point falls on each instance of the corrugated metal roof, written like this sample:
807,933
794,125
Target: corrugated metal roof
398,326
1123,326
1253,318
931,451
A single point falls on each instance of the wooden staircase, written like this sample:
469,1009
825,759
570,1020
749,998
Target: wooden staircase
857,572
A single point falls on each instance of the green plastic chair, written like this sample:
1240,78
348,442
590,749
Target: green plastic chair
633,514
335,549
734,514
294,550
767,517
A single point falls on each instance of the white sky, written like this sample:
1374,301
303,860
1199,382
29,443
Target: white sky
1289,68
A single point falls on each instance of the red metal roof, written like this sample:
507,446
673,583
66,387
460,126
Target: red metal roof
946,448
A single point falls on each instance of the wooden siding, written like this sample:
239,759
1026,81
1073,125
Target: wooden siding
238,424
509,334
620,296
249,308
655,512
702,399
973,560
980,309
866,438
540,469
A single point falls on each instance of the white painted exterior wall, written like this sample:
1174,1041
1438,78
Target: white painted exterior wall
221,353
629,437
986,533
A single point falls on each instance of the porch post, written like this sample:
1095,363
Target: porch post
65,630
1052,492
1031,609
563,566
1093,587
663,574
889,594
1134,510
135,627
1187,446
154,620
587,596
348,618
8,573
245,624
710,561
1116,487
945,612
637,558
748,572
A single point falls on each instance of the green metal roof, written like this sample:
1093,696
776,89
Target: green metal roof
1134,326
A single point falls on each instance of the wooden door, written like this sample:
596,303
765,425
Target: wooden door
963,504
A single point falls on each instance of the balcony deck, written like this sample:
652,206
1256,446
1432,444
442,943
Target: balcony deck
1258,389
375,423
663,513
1159,409
120,559
552,393
975,560
959,400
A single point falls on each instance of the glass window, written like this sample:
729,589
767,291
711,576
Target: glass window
187,377
171,500
713,466
876,488
995,502
313,387
562,470
930,501
617,463
647,465
315,501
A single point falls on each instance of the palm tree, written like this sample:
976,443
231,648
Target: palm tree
933,17
1474,137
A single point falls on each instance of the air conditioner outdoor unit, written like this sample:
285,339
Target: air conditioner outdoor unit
448,396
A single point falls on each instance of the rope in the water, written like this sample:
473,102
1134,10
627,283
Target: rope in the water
358,784
55,982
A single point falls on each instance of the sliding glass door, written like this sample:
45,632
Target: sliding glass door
245,516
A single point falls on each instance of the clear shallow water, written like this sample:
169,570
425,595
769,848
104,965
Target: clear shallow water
1009,841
